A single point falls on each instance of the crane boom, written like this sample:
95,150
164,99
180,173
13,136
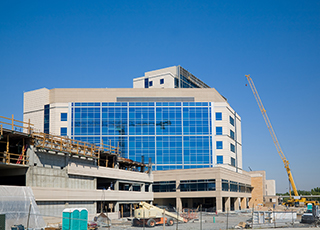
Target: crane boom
273,134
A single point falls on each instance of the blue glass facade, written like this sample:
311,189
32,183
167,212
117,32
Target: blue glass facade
175,135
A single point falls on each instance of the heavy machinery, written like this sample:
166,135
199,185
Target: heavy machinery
150,215
292,201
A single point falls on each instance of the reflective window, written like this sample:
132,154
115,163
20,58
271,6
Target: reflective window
63,131
197,185
174,135
146,83
46,117
232,148
218,130
234,186
161,81
150,83
219,145
164,186
219,159
64,116
225,185
231,121
233,162
218,116
231,134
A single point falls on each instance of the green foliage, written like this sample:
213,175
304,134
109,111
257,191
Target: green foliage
314,191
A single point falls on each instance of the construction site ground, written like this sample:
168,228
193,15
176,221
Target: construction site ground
208,220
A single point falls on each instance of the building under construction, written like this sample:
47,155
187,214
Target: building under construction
65,173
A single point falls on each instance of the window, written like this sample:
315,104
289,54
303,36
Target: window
233,162
146,83
231,134
234,186
64,116
46,117
150,83
219,159
176,83
225,185
231,121
164,186
197,185
161,81
232,148
63,131
218,116
218,130
219,145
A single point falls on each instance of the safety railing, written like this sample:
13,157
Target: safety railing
48,142
14,158
15,125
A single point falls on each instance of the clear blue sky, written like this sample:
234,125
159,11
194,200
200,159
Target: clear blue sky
59,44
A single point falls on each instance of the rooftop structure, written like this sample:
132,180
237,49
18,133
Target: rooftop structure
171,77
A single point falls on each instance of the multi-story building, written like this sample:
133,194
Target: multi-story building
177,128
170,117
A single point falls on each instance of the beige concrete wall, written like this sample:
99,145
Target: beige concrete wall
59,194
258,184
168,74
203,173
33,106
172,69
110,95
226,152
55,117
112,173
270,188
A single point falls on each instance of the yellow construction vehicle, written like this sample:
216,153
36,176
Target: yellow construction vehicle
292,201
150,215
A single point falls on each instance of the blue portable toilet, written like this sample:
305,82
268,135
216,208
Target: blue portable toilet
66,218
75,221
83,218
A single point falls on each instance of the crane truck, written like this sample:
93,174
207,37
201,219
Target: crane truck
150,215
292,201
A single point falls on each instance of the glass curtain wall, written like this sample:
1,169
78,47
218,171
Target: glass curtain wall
174,135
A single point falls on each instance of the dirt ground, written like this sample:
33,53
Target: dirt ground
210,221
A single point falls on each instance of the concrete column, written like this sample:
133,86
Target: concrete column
116,185
227,204
219,203
237,203
116,207
243,203
150,188
178,204
143,186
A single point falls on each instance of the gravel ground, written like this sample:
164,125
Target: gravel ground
207,223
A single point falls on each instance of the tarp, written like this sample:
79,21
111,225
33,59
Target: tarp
17,203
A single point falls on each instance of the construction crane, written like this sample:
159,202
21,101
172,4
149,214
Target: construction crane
296,200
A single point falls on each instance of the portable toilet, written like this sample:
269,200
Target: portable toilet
309,206
66,218
83,218
75,225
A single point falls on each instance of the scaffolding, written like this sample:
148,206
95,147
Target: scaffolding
16,136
